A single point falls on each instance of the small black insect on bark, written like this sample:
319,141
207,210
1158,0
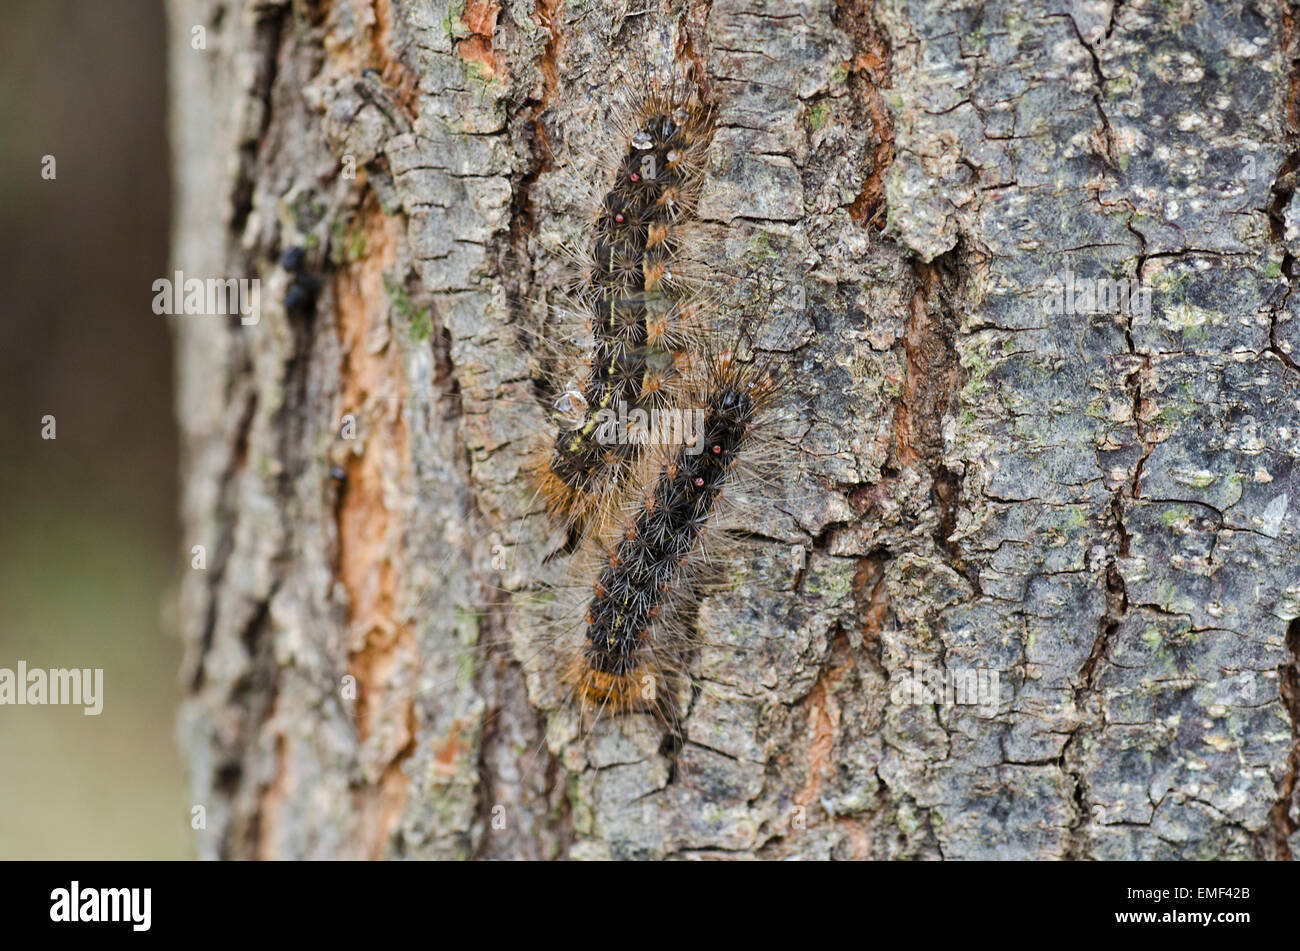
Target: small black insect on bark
300,298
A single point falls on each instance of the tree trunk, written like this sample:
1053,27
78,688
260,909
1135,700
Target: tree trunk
1004,465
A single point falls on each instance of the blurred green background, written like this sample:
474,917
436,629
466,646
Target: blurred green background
88,536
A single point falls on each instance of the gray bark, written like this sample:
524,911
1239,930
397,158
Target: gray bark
1098,506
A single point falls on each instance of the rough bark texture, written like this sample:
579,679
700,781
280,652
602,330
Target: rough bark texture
1099,506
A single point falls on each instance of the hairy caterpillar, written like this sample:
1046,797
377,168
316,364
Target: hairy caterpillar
638,306
610,628
633,638
573,618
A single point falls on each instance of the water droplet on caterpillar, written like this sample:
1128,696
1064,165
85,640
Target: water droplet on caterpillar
571,405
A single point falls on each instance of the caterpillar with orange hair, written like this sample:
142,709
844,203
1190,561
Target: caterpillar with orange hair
638,303
633,640
622,634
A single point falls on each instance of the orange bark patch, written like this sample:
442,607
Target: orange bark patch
404,82
856,832
869,71
373,390
374,24
546,13
480,18
446,753
932,375
823,725
693,46
1290,43
872,600
906,414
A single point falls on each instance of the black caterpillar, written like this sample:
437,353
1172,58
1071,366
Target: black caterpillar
635,303
645,573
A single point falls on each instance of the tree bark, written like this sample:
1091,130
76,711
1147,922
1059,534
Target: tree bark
1096,503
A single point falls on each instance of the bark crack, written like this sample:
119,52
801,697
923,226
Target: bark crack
868,77
1286,812
1116,590
269,36
1109,149
1284,188
1284,185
